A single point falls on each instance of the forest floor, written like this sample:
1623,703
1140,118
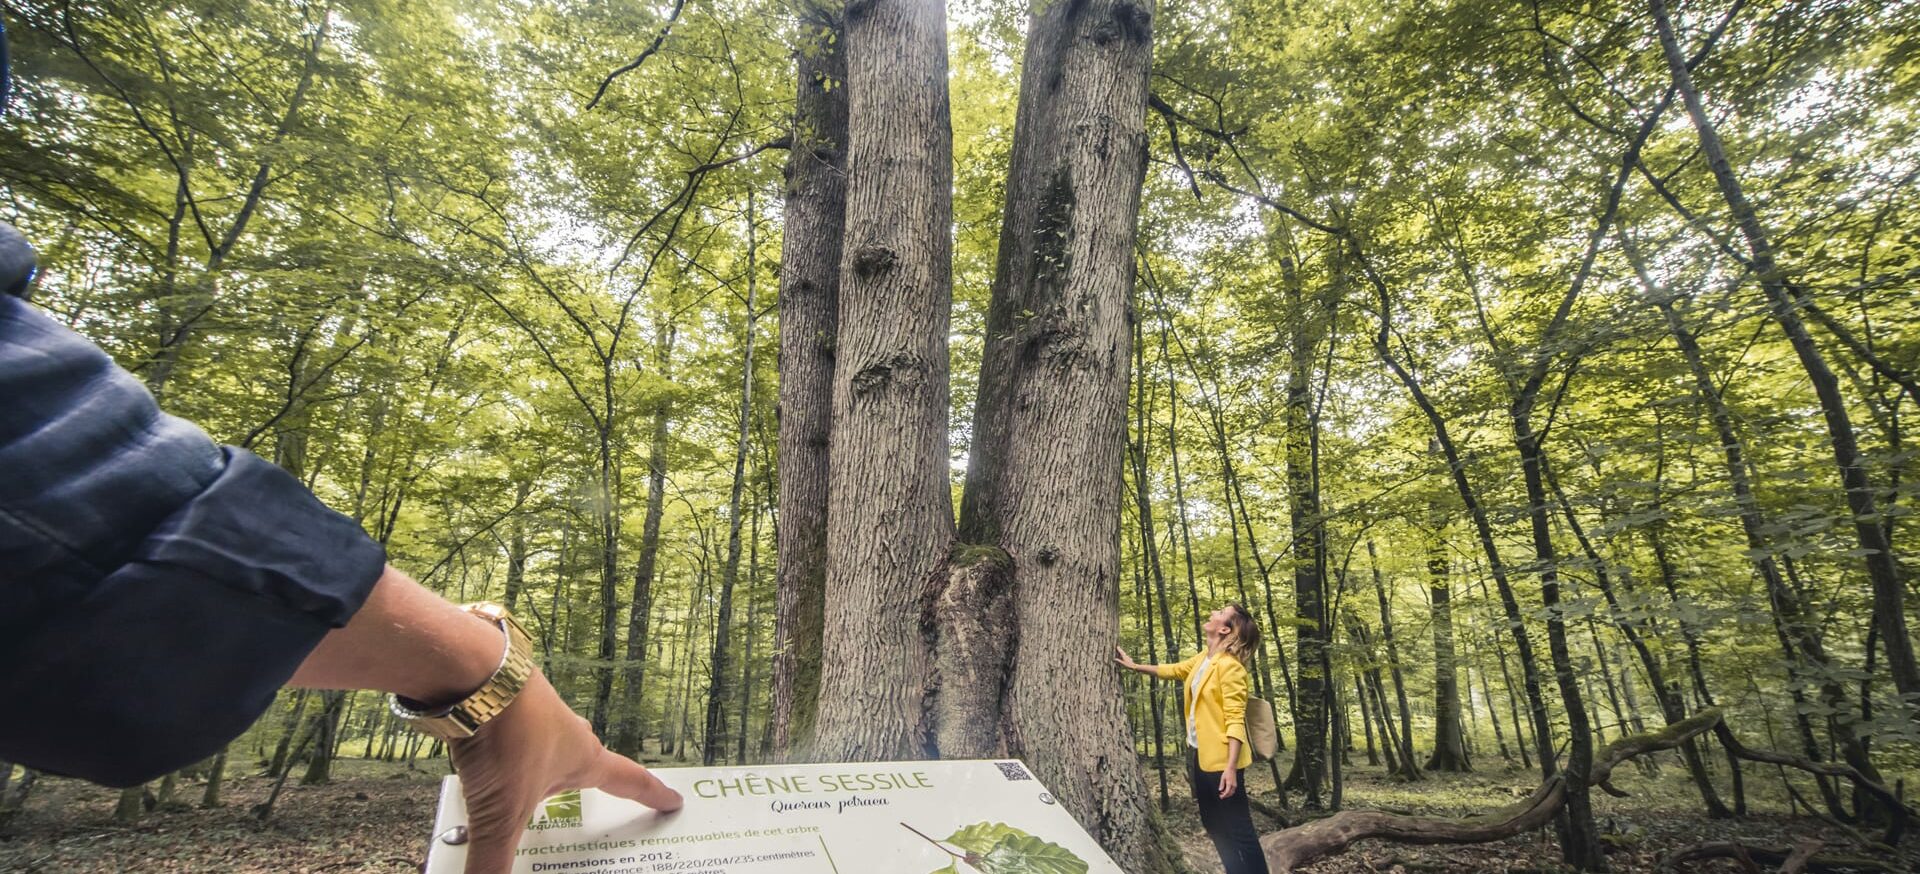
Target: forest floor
374,817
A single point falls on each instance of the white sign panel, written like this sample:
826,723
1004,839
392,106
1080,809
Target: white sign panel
874,818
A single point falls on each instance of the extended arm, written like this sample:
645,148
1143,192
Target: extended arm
156,590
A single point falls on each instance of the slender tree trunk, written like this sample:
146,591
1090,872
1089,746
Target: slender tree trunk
132,804
811,242
1449,744
326,729
1395,746
517,547
1632,699
1580,845
683,724
1153,697
279,762
1179,484
1406,756
752,630
1620,720
1262,675
1520,727
1799,635
607,513
1470,732
216,779
1493,716
1671,707
1883,570
1483,528
1150,556
627,739
720,666
1309,587
1366,717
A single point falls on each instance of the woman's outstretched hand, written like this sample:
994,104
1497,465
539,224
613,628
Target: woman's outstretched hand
1121,658
537,748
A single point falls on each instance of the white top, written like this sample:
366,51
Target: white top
1193,697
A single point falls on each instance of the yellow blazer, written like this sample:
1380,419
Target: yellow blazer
1220,711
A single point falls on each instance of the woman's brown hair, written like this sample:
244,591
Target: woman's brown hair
1246,635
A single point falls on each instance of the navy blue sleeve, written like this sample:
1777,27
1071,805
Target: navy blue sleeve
156,589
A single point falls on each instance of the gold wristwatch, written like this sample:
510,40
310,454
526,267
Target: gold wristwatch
462,718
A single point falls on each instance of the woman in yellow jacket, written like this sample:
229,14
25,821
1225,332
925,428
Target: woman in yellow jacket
1213,690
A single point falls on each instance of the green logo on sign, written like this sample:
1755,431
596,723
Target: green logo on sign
560,811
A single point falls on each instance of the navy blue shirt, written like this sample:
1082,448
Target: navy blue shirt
156,589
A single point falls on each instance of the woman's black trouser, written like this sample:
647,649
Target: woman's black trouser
1227,820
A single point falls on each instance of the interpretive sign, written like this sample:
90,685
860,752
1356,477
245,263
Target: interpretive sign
988,817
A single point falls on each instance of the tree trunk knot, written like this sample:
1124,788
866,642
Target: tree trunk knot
1047,555
879,374
1128,21
871,259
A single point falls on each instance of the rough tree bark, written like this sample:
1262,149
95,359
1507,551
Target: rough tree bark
1044,475
811,235
889,513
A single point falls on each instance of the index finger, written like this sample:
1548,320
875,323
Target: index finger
618,775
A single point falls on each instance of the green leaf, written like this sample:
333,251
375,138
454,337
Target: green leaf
981,836
1025,854
998,848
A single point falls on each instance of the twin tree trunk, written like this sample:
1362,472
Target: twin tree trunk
889,508
1044,478
809,297
998,641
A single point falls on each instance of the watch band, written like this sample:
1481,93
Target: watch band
463,718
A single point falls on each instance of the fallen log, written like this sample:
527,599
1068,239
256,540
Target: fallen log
1305,844
1803,857
1291,849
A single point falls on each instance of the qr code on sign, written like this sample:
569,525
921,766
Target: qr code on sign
1013,770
